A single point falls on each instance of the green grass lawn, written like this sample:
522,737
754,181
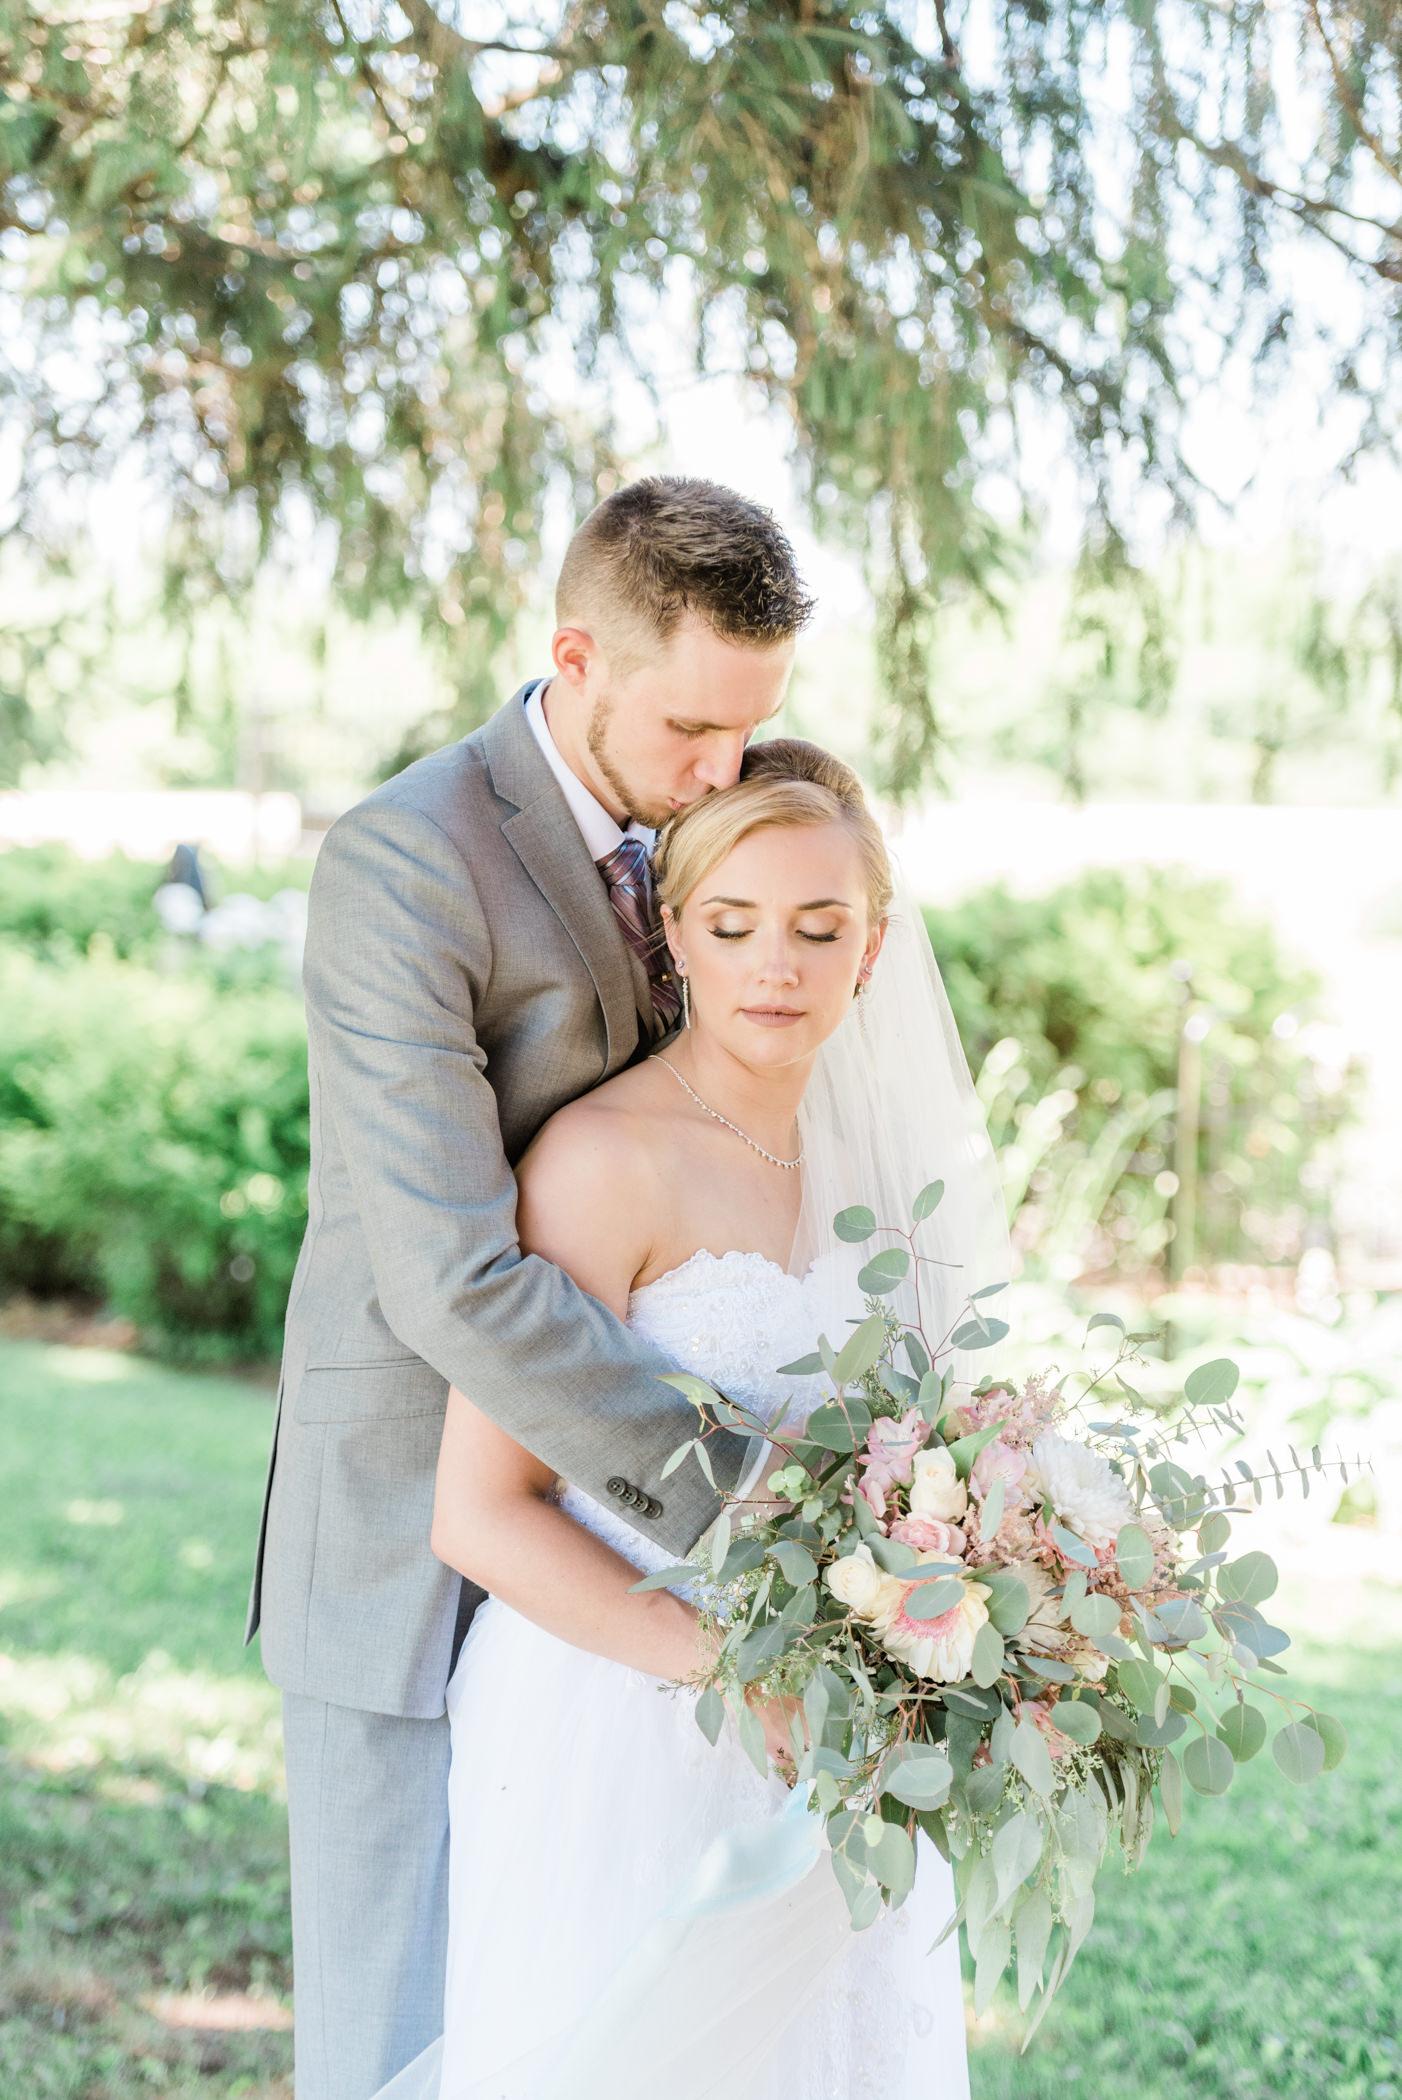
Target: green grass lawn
143,1881
144,1944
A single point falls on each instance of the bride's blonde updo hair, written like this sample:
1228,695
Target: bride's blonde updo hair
784,783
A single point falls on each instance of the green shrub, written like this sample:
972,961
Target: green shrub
56,904
153,1146
1071,1007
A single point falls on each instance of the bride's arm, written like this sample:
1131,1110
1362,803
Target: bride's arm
587,1198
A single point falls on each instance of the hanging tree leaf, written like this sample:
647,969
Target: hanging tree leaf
328,264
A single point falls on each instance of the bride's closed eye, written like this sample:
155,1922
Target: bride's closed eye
742,933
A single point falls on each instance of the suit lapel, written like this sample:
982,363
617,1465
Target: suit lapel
546,840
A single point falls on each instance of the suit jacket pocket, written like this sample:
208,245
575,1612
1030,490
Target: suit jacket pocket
369,1392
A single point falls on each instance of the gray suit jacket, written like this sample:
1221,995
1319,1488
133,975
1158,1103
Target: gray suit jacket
465,977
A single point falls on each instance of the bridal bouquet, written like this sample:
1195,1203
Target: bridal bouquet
1012,1617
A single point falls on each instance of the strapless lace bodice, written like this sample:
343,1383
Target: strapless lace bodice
732,1319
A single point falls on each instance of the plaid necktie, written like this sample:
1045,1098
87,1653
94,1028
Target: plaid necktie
625,870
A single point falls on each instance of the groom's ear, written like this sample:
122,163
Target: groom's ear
575,653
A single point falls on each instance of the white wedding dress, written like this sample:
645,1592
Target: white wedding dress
633,1912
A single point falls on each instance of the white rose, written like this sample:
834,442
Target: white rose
940,1649
1085,1492
936,1489
858,1583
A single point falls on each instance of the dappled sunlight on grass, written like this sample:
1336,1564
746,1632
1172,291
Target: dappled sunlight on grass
67,1713
143,1867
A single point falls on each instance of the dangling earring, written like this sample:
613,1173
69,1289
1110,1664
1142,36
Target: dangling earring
686,1000
859,996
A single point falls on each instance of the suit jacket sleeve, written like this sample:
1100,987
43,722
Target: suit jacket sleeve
397,949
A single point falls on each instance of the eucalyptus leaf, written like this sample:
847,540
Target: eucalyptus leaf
1333,1735
1171,1792
1032,1758
1074,1548
1008,1603
1104,1320
743,1556
994,1949
1032,1924
1214,1532
891,1858
917,1355
805,1367
1299,1751
986,1666
835,1427
665,1578
884,1271
1134,1556
1208,1766
861,1349
1212,1385
990,1515
682,1452
1156,1735
752,1739
990,1290
1078,1719
1095,1616
965,1449
796,1562
1249,1580
892,1556
1016,1850
1243,1729
928,1201
710,1714
855,1224
983,1789
757,1649
1050,1669
1243,1624
719,1544
931,1600
978,1334
918,1775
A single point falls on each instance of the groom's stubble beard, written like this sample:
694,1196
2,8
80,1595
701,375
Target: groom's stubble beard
632,798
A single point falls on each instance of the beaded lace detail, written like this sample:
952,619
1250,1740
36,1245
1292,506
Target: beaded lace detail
732,1319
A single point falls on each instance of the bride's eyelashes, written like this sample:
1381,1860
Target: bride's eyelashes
742,933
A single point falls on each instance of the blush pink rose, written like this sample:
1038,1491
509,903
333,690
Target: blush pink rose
998,1461
930,1535
889,1456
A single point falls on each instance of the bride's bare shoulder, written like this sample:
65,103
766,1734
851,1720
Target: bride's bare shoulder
597,1169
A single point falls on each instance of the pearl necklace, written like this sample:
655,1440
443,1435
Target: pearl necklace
789,1165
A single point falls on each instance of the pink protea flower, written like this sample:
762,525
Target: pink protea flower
941,1649
889,1455
930,1535
998,1461
1040,1715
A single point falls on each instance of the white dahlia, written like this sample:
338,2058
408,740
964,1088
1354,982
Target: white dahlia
1085,1493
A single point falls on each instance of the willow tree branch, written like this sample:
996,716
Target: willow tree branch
1375,146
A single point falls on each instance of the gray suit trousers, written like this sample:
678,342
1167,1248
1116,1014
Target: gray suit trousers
367,1799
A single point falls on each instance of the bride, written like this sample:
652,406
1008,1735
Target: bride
631,1910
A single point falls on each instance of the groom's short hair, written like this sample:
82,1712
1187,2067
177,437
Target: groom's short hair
670,545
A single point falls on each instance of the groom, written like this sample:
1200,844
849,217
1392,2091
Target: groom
482,947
